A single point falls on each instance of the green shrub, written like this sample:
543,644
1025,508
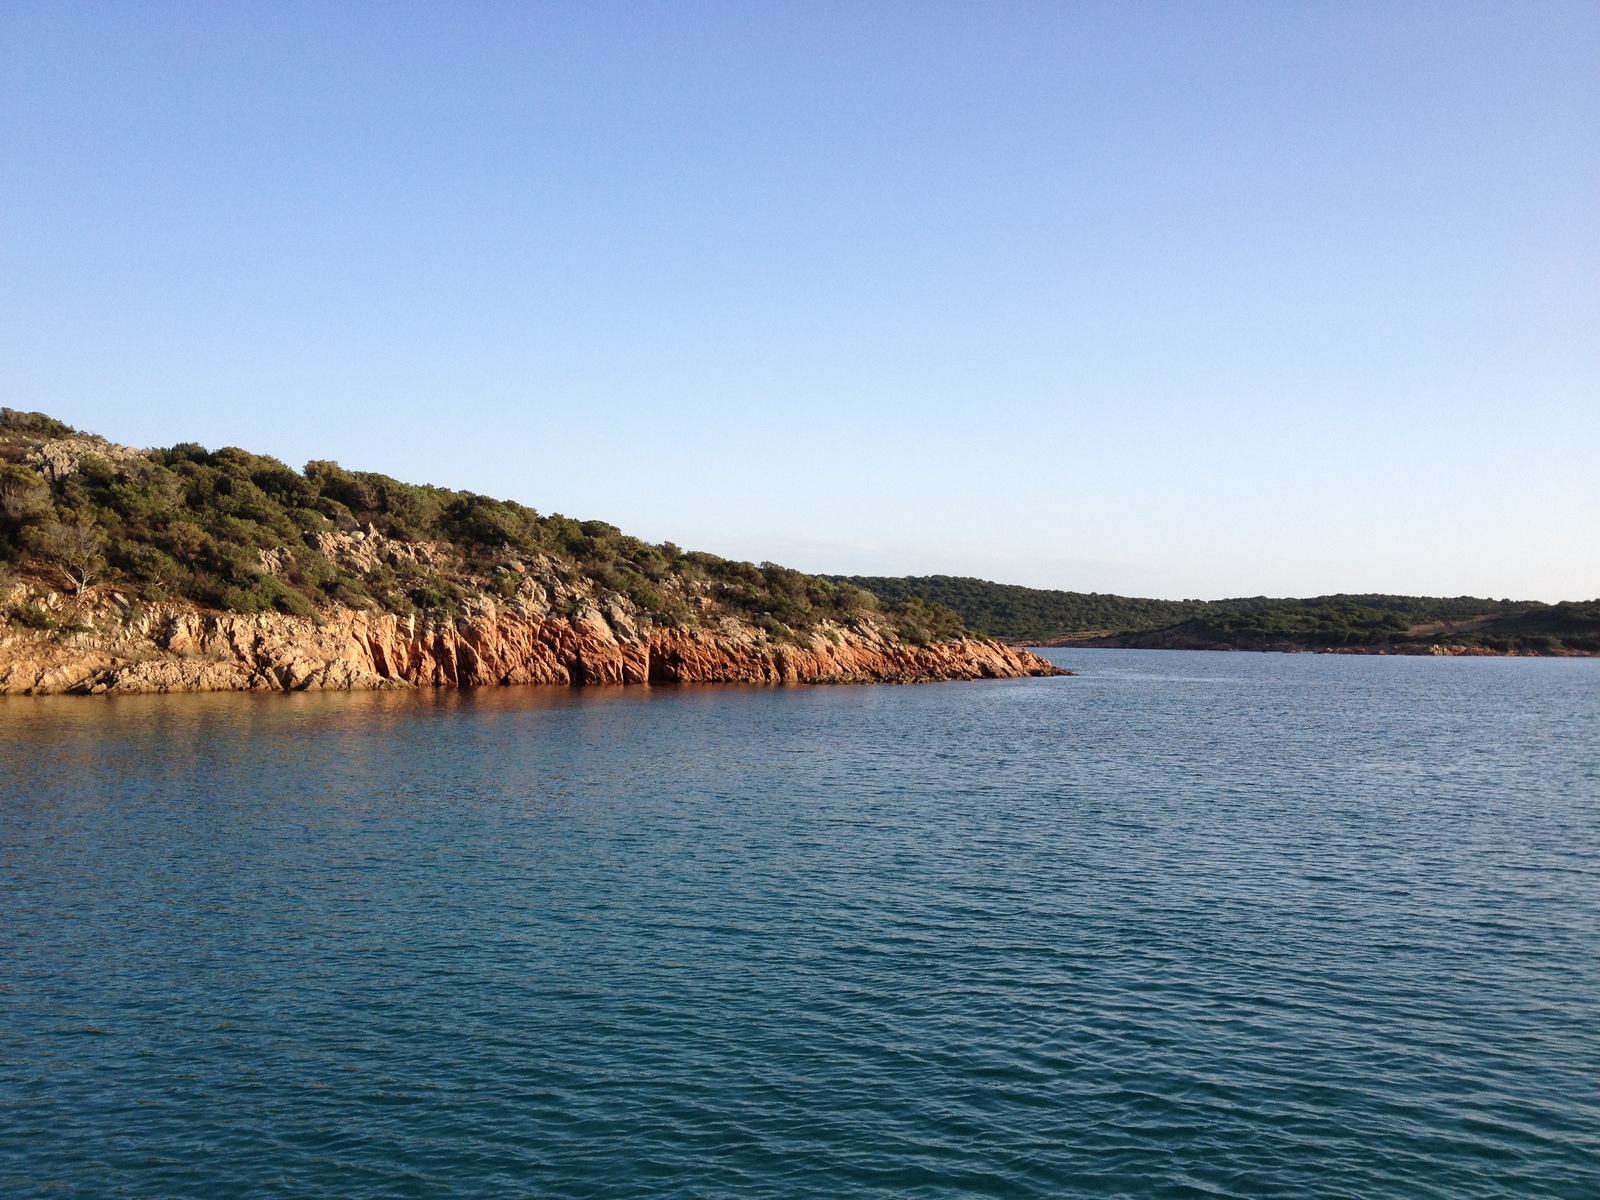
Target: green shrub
294,603
505,584
646,598
427,598
921,623
770,626
34,616
34,423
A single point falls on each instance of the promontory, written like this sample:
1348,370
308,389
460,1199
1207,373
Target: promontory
187,569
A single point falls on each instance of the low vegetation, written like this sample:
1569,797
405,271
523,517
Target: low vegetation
234,530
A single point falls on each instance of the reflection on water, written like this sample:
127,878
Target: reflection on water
1224,924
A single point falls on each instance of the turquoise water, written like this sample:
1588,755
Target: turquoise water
1185,925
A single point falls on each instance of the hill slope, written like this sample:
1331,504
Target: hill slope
239,557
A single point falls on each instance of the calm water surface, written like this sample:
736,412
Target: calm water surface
1186,925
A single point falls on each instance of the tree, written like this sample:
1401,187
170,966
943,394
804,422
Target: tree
19,497
74,550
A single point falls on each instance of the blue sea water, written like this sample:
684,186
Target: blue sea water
1184,925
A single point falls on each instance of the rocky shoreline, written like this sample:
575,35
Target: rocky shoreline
117,646
1166,640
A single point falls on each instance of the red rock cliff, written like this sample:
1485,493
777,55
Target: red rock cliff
173,648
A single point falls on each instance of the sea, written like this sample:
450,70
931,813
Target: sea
1180,925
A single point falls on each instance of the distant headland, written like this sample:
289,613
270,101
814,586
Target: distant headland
1350,624
187,569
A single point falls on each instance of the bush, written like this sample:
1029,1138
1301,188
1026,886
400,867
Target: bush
506,584
294,603
920,622
33,616
427,598
243,600
771,627
34,423
646,598
22,495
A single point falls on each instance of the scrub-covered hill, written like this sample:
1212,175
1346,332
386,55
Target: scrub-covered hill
97,538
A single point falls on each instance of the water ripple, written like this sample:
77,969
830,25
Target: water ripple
1184,925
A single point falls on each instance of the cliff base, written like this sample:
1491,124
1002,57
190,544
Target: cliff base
118,646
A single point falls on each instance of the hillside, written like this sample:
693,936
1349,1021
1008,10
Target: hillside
245,533
1369,623
118,547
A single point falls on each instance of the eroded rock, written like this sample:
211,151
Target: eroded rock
176,648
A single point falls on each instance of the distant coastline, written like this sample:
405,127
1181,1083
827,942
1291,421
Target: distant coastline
1346,624
1178,640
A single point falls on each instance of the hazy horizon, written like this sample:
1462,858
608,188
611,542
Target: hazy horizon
1205,301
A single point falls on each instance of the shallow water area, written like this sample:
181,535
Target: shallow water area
1184,924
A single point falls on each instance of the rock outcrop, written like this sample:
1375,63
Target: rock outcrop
171,648
57,458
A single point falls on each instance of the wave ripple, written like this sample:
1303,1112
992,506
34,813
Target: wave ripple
1184,925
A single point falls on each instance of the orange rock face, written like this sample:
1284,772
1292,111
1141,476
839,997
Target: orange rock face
168,648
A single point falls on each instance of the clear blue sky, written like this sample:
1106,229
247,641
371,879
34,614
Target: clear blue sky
1169,299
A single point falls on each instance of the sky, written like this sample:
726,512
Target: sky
1180,300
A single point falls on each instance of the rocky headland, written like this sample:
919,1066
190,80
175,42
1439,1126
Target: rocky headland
127,570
